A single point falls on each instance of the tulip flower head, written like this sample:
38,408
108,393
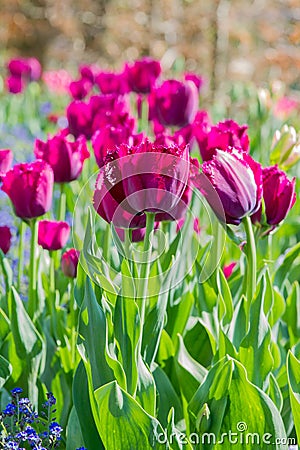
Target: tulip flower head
66,157
29,187
142,75
221,136
69,263
141,178
175,103
53,235
278,194
5,239
237,179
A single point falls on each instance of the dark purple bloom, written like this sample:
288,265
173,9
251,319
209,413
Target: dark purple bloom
80,88
278,194
237,179
175,103
69,263
14,84
221,136
112,83
29,187
66,157
142,75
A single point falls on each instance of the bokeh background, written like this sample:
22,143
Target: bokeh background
236,40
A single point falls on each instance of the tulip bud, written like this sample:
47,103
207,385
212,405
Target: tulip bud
142,74
175,103
69,263
5,239
53,235
278,194
29,187
285,147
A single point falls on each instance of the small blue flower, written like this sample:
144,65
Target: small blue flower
55,429
10,409
11,445
16,391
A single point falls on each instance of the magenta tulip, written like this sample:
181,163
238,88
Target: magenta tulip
64,156
80,88
175,103
112,83
228,269
278,194
224,134
29,187
79,117
196,79
142,75
6,159
88,73
237,179
5,239
14,84
146,177
69,263
53,235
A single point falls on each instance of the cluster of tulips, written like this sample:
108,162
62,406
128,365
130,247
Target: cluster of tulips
176,124
150,150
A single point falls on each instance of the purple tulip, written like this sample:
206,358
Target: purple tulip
5,239
142,75
53,235
278,194
112,83
146,177
80,88
79,117
109,137
175,103
69,263
29,187
196,79
15,84
65,157
237,179
88,73
6,159
221,136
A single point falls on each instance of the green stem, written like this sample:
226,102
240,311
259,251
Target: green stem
21,253
62,204
52,294
106,244
144,121
251,259
145,269
33,268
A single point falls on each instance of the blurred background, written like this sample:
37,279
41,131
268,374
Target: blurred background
236,40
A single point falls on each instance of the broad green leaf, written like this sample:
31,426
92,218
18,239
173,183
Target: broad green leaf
293,370
73,432
82,404
178,315
198,343
128,334
29,342
190,373
235,404
124,422
5,371
7,271
225,312
93,329
167,397
146,390
292,314
284,264
274,392
254,352
239,324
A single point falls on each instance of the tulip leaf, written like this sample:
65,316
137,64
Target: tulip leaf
124,422
176,438
84,412
167,397
190,373
5,371
93,329
73,432
284,264
292,314
255,352
293,369
233,404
